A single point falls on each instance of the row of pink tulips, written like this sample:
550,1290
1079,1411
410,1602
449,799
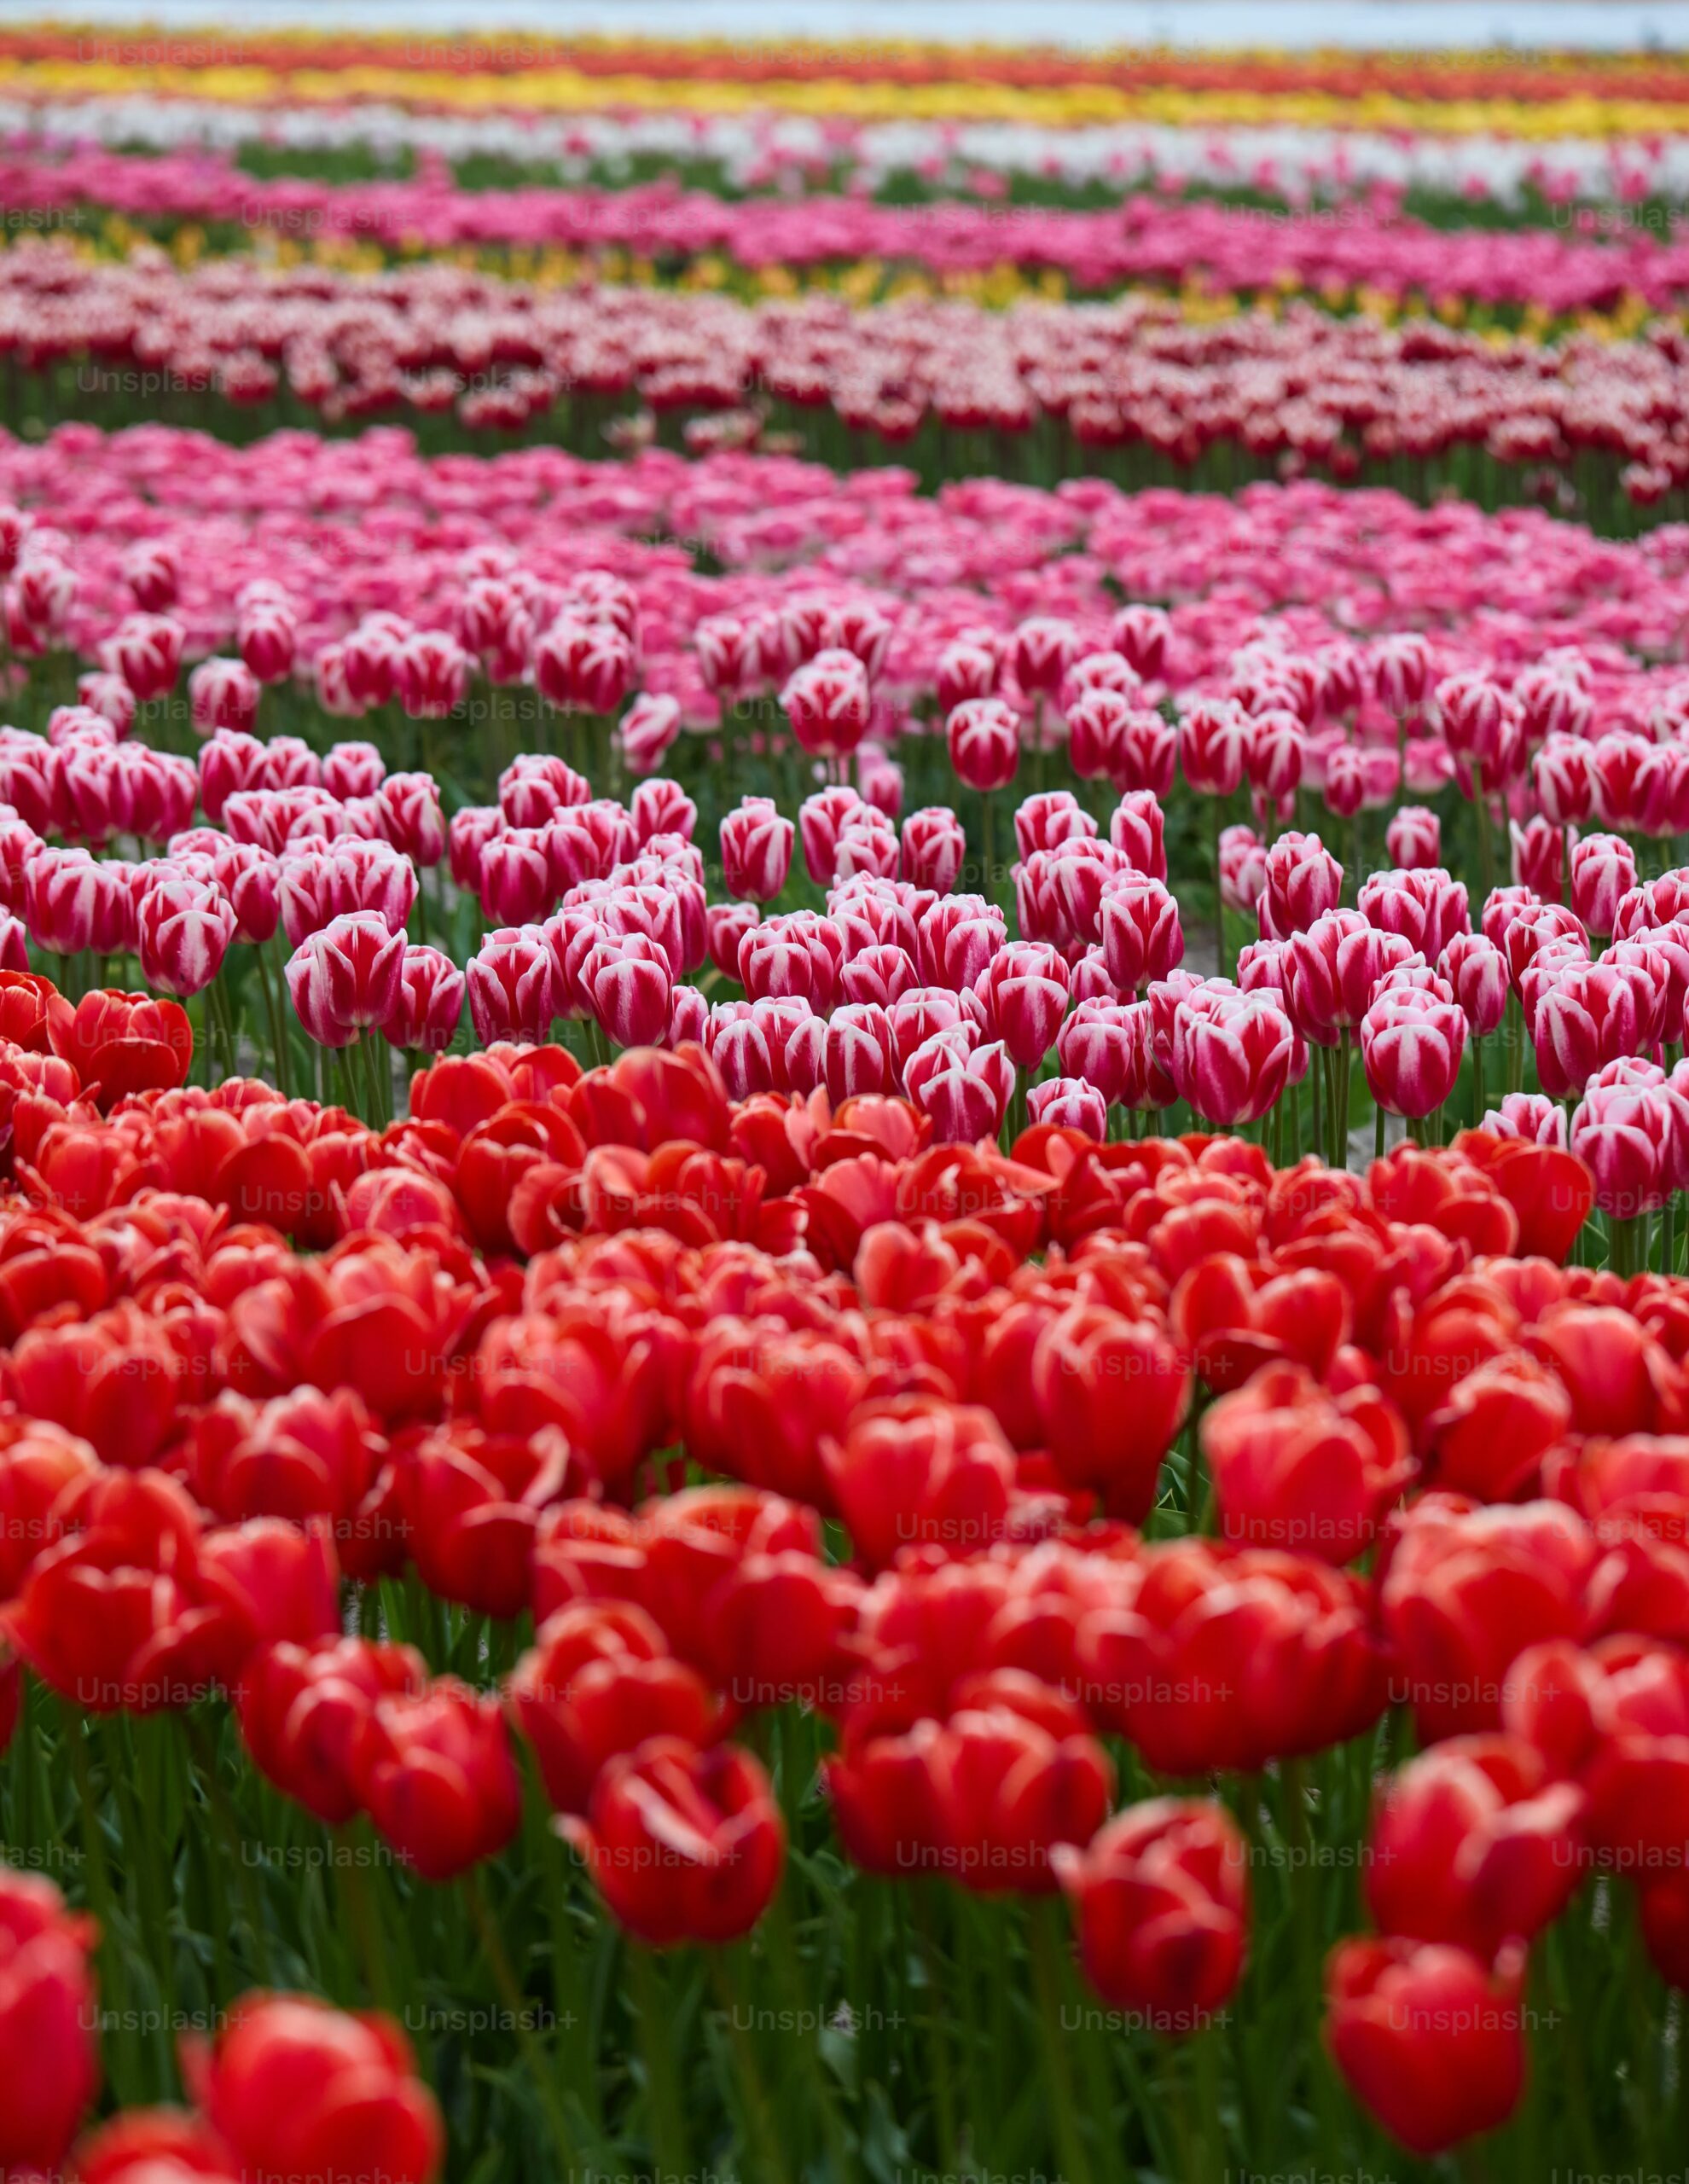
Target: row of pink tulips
158,521
1144,239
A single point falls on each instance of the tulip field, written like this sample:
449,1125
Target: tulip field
843,1114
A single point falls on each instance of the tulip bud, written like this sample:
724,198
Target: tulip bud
1428,2037
934,848
828,703
1413,838
1160,1897
1142,939
48,2008
685,1846
984,735
1232,1053
182,933
429,1007
756,850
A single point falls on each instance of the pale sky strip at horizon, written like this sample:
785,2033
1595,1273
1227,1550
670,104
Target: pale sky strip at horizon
1596,24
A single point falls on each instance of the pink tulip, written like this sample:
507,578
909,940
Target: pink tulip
222,694
1096,727
965,671
429,1007
1303,881
1141,936
1333,971
1530,1116
983,736
182,933
346,977
1413,838
510,988
1603,869
146,651
756,850
1476,970
1140,635
1425,906
1213,736
1097,1043
648,730
1591,1014
1410,1045
1137,829
1631,1129
1023,992
430,676
828,704
1232,1053
934,848
1067,1103
1148,754
966,1091
629,982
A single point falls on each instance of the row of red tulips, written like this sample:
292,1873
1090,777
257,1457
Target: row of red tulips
221,1423
401,1403
1055,390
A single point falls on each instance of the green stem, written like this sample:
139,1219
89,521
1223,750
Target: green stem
1046,1940
520,2012
650,1987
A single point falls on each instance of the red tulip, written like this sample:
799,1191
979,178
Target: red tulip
919,1469
433,1770
1016,1777
1160,1897
684,1845
1111,1393
1474,1843
1427,2038
38,1461
48,2009
471,1501
600,1683
296,2088
1224,1657
1464,1590
302,1708
1293,1467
